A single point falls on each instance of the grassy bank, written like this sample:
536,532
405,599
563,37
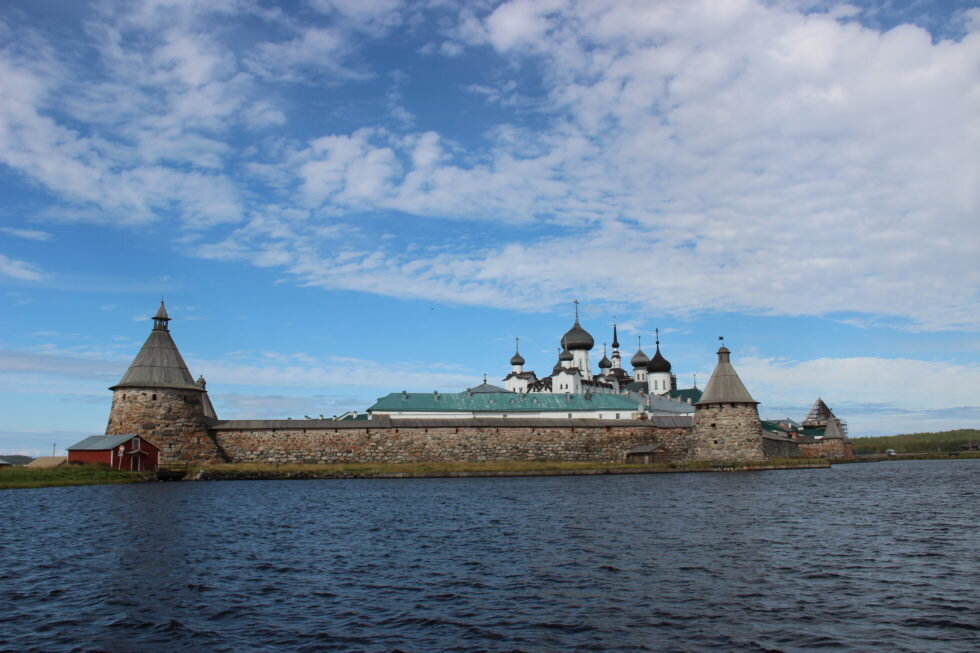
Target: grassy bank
495,468
922,456
12,478
942,441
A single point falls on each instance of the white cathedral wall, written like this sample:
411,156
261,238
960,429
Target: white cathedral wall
658,383
581,361
565,382
515,384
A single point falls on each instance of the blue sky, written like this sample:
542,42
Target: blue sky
340,198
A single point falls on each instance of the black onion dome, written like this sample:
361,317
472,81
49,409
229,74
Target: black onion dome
578,338
557,368
605,363
517,359
639,359
565,355
658,363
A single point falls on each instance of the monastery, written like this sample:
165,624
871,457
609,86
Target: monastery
571,389
570,415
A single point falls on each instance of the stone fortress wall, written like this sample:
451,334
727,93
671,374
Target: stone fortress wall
172,419
158,399
727,432
415,441
831,448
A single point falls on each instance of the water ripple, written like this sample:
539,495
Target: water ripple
836,559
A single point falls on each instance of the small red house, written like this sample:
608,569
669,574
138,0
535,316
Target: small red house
129,452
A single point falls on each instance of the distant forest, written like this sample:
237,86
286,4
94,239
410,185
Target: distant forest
917,442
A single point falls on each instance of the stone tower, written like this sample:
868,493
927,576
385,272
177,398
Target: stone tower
726,422
158,399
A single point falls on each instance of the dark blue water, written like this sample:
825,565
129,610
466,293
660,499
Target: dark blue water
874,557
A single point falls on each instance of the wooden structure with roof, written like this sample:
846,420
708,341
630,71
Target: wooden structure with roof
129,452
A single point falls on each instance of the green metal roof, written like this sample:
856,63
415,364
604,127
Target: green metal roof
501,402
694,394
811,432
772,426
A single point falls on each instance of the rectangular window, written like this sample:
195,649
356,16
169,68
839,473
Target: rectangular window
617,415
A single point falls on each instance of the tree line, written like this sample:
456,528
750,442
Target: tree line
943,441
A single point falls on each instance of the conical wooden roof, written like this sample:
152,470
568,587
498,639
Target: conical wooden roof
158,364
724,386
833,430
819,414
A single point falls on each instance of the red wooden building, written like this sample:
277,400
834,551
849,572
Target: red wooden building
129,452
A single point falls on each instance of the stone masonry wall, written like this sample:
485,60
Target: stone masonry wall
780,448
727,432
832,448
171,419
446,444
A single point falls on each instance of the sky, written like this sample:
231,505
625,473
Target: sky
339,199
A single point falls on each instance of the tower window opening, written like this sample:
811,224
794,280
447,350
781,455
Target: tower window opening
154,397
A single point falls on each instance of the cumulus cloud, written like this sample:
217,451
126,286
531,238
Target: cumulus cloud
772,157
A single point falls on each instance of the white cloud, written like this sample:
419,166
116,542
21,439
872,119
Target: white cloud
685,155
19,269
29,234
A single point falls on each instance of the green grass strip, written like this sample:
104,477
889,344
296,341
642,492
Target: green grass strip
16,478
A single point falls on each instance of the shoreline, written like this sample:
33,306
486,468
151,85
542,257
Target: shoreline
270,475
81,475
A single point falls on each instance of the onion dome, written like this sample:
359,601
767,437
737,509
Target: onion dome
565,355
517,359
605,363
658,363
639,359
578,338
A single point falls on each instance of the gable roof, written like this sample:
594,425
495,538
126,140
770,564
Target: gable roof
724,386
501,402
101,442
43,462
486,388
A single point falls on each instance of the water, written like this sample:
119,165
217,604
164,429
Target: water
875,557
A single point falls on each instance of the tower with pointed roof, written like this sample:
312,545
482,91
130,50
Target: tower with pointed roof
617,359
158,399
726,423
